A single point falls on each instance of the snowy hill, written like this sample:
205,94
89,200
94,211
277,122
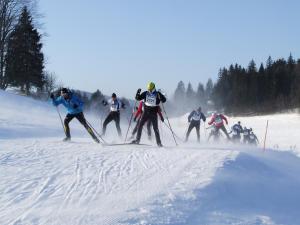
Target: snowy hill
46,181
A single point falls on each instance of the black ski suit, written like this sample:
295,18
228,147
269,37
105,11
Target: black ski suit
194,120
113,115
152,101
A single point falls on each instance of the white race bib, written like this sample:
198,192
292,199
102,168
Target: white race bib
150,99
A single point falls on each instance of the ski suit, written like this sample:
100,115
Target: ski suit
138,115
236,131
114,114
194,119
217,121
151,108
75,110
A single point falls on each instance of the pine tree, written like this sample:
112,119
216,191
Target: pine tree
24,59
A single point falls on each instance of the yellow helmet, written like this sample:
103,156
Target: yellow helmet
151,86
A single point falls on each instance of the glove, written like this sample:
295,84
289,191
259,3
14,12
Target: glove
138,92
104,102
75,106
134,119
52,96
123,105
189,121
162,119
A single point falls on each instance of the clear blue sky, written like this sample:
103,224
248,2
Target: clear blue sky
120,45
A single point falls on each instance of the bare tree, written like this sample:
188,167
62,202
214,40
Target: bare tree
9,14
50,82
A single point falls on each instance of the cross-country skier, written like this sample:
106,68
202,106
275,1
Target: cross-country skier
75,110
250,137
217,121
236,131
114,113
152,99
137,118
194,119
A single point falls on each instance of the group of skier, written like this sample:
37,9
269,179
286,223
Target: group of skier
147,111
216,124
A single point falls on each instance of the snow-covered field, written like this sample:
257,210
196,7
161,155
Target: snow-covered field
46,181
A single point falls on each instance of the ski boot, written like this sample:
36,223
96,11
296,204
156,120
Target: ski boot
135,142
160,145
66,139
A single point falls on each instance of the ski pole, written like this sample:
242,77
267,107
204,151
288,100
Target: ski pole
266,135
173,133
96,132
61,121
169,123
130,121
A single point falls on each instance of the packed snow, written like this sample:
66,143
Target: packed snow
46,181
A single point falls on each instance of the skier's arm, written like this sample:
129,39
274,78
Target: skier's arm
160,114
224,118
203,117
57,101
190,116
140,96
104,102
211,121
161,97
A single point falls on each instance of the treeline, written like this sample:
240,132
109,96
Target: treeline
272,87
187,98
21,57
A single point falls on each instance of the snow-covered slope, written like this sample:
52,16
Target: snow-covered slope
46,181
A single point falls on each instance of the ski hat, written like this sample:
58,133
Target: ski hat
151,86
65,90
199,108
113,95
239,122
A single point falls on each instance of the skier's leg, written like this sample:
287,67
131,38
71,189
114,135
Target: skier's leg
108,119
136,127
140,129
198,131
67,120
225,131
191,126
117,120
149,129
82,120
154,121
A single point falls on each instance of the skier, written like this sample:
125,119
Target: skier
114,113
253,140
75,110
152,99
246,136
137,118
236,131
250,137
194,119
217,121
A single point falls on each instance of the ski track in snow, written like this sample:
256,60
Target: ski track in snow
46,181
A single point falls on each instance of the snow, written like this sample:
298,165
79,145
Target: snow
46,181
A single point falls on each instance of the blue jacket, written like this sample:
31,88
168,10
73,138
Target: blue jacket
196,116
70,103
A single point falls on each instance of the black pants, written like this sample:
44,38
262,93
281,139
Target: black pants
112,116
152,118
193,124
81,119
137,127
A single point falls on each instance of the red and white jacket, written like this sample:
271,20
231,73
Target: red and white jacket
217,120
